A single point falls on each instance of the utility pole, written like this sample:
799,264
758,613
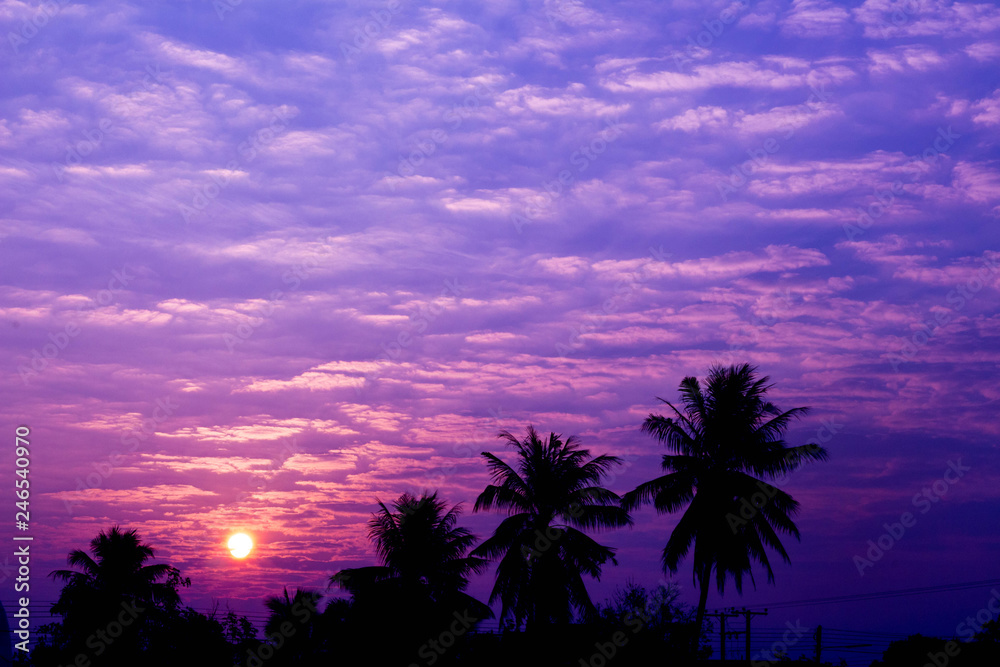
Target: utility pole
818,635
747,614
722,616
734,635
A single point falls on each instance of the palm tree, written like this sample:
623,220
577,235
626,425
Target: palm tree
418,589
727,438
114,579
292,626
117,571
423,556
283,608
551,492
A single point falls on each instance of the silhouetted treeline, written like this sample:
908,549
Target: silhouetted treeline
411,608
980,650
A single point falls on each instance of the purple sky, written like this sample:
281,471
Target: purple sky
322,265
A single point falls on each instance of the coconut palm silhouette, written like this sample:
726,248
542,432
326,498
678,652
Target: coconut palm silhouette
551,494
116,572
419,585
115,582
728,440
422,553
293,627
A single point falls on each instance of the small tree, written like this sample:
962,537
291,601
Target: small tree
654,622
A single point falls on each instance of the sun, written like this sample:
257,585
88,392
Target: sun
240,545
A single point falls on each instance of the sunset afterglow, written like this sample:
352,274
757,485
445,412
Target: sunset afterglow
267,265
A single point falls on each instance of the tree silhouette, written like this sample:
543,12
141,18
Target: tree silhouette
292,627
422,554
117,571
239,632
552,492
422,576
654,621
114,585
727,438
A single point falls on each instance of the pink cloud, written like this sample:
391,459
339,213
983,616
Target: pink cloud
815,18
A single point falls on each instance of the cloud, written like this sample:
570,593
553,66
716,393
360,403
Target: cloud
730,265
987,110
903,59
979,182
540,101
735,74
815,19
351,312
983,51
693,120
892,19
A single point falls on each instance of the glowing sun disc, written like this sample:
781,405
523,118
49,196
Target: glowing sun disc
240,545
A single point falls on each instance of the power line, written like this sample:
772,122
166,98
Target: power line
848,634
881,595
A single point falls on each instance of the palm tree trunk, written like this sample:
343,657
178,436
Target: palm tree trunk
704,581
